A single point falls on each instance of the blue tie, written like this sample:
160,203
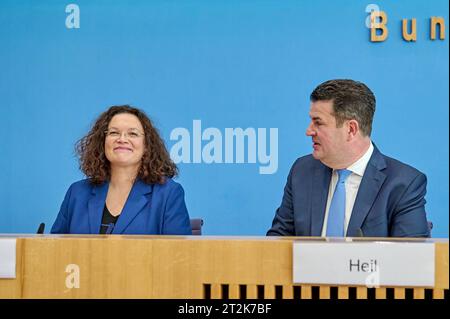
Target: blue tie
336,214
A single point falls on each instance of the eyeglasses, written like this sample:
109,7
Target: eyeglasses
130,134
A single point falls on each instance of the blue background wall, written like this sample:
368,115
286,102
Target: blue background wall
226,63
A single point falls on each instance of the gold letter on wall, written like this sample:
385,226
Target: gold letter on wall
434,22
381,25
412,36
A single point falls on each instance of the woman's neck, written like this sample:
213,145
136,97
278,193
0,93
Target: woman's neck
123,176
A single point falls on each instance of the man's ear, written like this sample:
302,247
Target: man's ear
352,129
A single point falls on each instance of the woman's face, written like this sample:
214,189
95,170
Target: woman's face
125,141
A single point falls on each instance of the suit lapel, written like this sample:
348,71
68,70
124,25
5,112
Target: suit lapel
133,206
370,185
96,205
321,182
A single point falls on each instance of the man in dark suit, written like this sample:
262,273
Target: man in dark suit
346,187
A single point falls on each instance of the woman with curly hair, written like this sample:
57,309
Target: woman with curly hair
129,187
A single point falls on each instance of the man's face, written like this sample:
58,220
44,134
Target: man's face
329,142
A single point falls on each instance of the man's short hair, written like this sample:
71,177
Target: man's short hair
352,100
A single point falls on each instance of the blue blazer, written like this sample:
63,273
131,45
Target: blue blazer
150,209
390,200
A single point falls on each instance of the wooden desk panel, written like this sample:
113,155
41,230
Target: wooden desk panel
173,267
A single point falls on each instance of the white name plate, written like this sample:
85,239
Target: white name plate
7,258
371,264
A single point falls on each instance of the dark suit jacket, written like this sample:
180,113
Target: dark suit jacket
150,209
390,200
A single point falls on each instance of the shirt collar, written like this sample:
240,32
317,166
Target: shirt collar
360,165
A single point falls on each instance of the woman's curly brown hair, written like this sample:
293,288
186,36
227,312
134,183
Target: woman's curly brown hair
156,164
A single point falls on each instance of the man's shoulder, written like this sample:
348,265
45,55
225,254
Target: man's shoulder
306,162
305,166
397,167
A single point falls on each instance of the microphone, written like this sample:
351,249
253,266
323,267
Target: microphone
41,229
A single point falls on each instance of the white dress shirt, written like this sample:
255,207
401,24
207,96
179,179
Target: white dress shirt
351,188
